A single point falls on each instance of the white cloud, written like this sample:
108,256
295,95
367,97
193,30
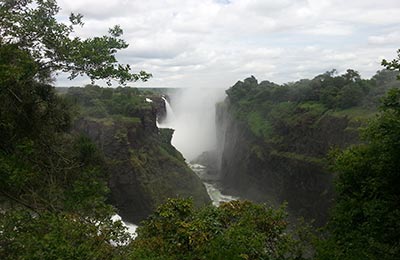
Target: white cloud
390,38
217,42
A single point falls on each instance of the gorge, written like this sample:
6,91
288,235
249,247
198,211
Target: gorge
200,168
272,145
260,142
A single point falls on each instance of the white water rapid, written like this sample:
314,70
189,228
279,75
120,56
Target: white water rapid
212,188
131,228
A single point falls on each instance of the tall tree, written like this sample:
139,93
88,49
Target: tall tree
31,26
394,64
53,186
365,222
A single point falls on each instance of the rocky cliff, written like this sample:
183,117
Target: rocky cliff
254,169
144,168
276,151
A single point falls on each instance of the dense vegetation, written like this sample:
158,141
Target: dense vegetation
52,183
272,110
234,230
53,188
279,136
144,167
363,222
99,102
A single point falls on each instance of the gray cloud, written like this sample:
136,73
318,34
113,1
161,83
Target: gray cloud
213,43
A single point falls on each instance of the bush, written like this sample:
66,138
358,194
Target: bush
235,230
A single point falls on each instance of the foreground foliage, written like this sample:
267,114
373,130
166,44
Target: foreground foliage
32,27
53,187
234,230
393,64
365,221
58,236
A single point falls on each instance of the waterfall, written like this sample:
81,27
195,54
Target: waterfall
170,117
193,120
192,116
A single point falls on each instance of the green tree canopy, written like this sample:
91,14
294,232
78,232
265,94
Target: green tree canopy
32,27
365,219
394,64
234,230
53,183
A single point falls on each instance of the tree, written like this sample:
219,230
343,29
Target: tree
351,76
53,186
58,236
394,64
349,96
234,230
31,26
365,223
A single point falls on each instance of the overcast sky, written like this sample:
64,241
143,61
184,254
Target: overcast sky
214,43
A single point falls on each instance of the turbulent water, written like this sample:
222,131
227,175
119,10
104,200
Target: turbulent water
212,189
211,185
131,228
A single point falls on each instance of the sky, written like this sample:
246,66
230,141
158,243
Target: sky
215,43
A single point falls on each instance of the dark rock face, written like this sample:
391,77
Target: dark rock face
144,167
160,108
127,195
209,159
253,169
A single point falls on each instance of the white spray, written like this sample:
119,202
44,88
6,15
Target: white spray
192,115
170,118
193,118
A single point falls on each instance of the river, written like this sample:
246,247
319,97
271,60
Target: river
193,119
211,185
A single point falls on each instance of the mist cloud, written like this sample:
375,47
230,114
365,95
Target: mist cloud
194,120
